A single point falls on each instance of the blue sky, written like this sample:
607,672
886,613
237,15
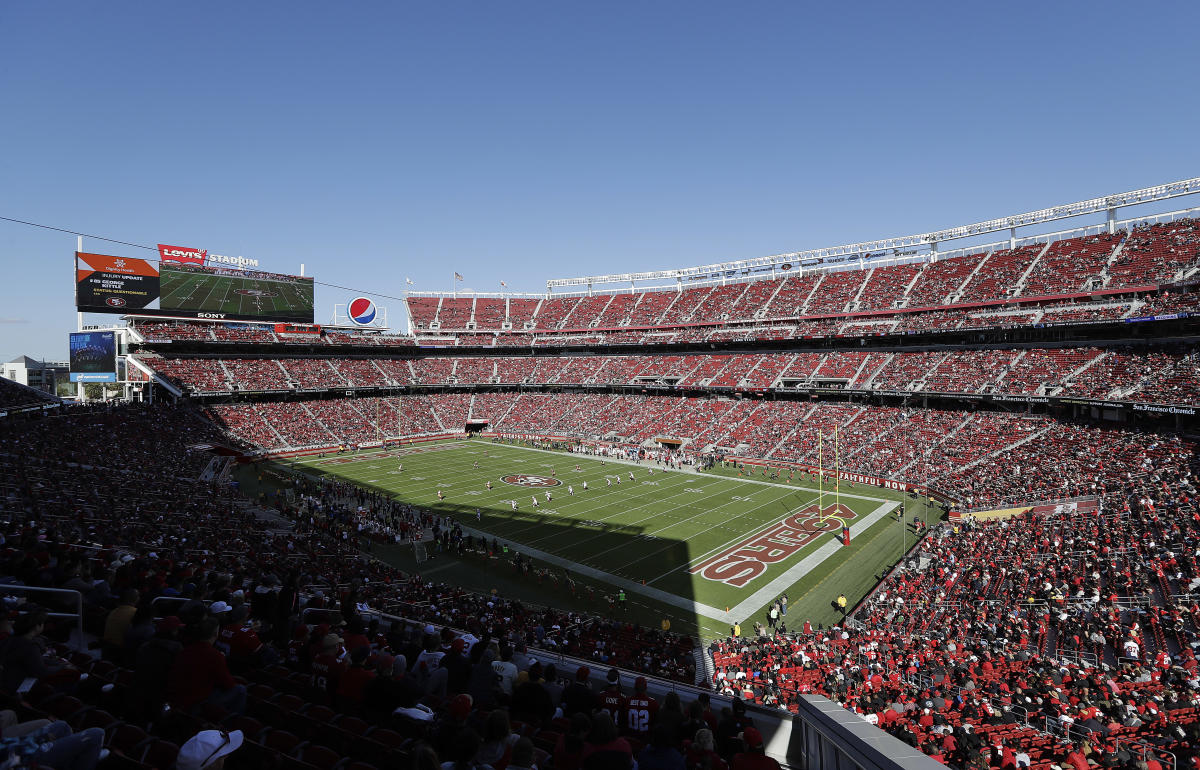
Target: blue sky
522,141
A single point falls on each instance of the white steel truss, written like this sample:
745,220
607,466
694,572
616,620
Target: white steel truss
858,253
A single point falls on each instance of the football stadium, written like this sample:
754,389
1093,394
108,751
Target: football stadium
905,502
769,480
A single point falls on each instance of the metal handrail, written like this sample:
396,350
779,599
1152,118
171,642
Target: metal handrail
1145,748
76,595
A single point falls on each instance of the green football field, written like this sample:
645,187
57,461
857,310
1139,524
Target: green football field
702,549
234,295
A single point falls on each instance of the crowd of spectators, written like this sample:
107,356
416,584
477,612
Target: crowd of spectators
980,457
717,328
1139,374
208,615
1058,638
995,640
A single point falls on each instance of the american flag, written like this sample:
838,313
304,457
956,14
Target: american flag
458,276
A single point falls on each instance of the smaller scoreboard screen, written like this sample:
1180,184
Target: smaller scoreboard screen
93,357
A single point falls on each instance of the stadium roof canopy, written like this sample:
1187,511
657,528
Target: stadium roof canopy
921,246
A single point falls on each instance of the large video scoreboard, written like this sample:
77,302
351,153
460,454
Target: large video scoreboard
107,284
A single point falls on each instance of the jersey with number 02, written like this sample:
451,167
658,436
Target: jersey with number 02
640,712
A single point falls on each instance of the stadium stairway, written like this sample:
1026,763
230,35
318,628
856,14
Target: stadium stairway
1105,276
999,451
1019,286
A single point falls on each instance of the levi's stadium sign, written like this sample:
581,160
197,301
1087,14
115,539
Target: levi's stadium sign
182,254
186,255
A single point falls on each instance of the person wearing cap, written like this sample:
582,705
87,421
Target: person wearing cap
201,675
355,634
245,647
450,723
457,665
1076,758
754,756
207,749
431,654
327,666
578,697
641,710
391,689
505,669
612,698
734,721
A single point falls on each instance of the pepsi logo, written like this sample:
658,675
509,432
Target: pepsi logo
115,302
524,480
361,311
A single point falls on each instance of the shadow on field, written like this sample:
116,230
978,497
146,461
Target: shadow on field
492,557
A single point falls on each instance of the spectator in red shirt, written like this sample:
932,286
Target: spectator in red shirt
641,710
356,678
241,639
355,637
327,667
612,698
1076,759
201,675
